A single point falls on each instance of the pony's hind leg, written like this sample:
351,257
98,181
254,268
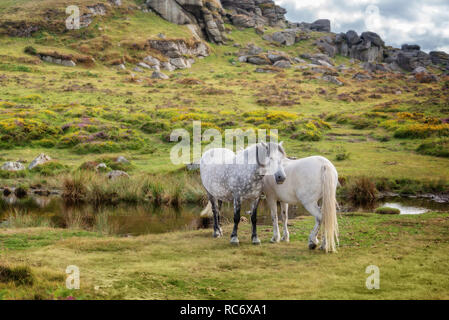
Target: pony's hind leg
217,229
284,214
273,206
237,207
315,211
254,237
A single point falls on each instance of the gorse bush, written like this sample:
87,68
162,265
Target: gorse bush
20,131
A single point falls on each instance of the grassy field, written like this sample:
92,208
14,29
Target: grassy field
410,251
386,127
390,133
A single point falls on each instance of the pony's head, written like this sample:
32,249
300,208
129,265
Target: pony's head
270,157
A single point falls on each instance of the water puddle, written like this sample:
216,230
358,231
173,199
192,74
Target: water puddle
133,220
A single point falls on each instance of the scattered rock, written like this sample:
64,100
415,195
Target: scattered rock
180,63
40,159
101,167
13,166
283,64
159,75
258,60
143,65
121,159
362,76
332,79
114,174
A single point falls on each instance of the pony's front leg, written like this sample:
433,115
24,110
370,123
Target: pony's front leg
217,228
237,207
284,213
272,205
254,237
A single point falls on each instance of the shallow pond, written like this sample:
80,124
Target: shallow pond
406,205
132,220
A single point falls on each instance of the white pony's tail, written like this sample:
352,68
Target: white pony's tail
207,212
329,227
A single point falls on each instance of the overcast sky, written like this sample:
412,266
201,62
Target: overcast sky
397,21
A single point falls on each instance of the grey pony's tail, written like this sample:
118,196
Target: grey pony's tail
207,211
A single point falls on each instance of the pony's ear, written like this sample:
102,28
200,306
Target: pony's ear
282,143
264,144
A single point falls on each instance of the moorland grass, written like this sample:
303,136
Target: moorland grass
409,250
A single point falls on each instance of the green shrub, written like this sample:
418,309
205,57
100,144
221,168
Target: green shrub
155,126
342,156
97,147
438,148
387,210
50,168
30,50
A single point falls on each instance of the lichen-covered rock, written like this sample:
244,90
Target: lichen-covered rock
179,48
13,166
40,159
114,174
159,75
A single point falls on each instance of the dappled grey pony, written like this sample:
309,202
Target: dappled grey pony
235,177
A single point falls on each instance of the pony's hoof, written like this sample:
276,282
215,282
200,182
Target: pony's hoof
256,241
312,246
235,241
275,240
218,233
285,239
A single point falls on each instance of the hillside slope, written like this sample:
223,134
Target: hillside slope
83,95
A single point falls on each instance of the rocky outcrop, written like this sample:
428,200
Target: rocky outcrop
440,58
409,57
368,47
203,16
253,13
66,63
287,37
179,54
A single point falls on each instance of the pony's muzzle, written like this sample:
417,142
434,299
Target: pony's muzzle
279,178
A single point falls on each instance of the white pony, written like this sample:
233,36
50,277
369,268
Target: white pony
308,181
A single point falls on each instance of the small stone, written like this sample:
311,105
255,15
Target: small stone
159,75
121,159
117,174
